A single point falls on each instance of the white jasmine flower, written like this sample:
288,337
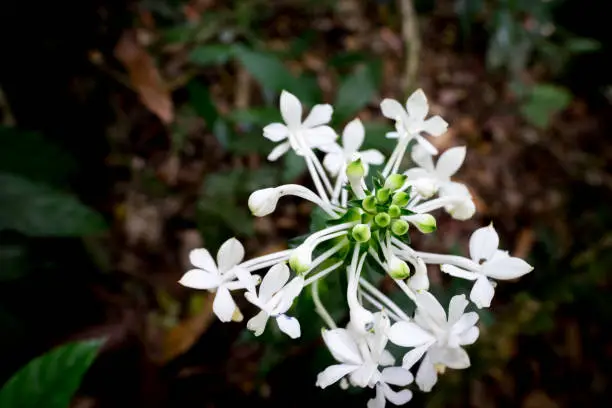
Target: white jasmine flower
274,299
489,263
225,275
431,177
410,122
338,157
436,337
296,134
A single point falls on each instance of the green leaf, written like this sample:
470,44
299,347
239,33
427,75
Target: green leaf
544,101
38,210
51,380
200,98
294,167
212,54
30,155
355,91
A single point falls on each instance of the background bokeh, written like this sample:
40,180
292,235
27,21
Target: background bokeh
131,134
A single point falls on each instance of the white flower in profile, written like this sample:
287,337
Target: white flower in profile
489,263
274,299
296,134
410,122
430,177
225,275
436,337
338,157
462,209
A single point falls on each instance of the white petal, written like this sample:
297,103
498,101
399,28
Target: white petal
333,162
362,377
331,148
456,307
465,322
379,400
288,295
247,281
427,303
289,325
426,144
416,173
200,279
291,109
257,324
506,268
334,373
422,158
452,270
386,358
202,259
275,132
450,161
414,355
352,136
483,243
372,156
319,115
224,305
397,376
392,135
408,334
273,281
392,109
482,292
417,105
469,337
342,346
230,254
279,150
426,376
455,358
397,398
435,126
319,136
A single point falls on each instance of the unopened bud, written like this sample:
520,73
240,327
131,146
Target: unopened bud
399,227
425,223
395,181
382,195
300,259
400,198
263,202
361,233
369,204
398,269
394,211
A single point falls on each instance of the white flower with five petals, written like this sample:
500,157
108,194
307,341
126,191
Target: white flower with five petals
488,263
274,299
429,177
410,122
296,134
222,277
436,337
338,157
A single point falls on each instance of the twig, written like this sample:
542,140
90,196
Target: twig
412,41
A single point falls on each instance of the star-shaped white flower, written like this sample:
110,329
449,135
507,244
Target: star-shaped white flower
225,275
437,337
489,263
429,177
338,157
360,354
296,134
274,299
410,122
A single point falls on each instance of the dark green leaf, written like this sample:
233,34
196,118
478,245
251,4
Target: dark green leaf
37,210
544,101
200,98
51,380
355,92
211,54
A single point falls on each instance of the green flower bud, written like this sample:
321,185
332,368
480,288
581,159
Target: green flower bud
382,195
400,199
398,269
369,204
425,223
361,233
300,259
382,219
355,170
399,227
395,181
394,211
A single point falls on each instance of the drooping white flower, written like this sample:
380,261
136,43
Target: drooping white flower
410,122
489,263
298,134
438,337
338,157
429,177
274,299
462,209
225,275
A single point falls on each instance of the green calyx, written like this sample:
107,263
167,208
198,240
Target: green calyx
399,227
361,233
382,219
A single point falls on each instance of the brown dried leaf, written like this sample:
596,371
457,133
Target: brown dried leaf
144,76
